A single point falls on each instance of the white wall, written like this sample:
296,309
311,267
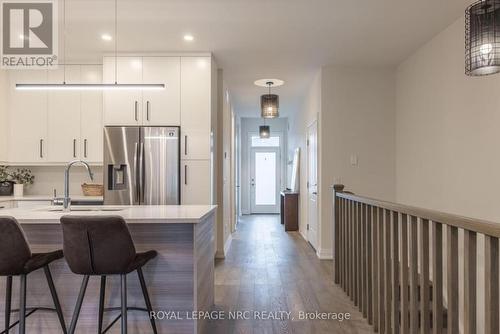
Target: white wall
357,118
251,125
447,137
224,157
447,131
297,138
48,178
355,110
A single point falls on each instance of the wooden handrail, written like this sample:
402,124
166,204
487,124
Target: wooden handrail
471,224
384,254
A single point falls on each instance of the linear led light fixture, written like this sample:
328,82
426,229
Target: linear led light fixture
90,86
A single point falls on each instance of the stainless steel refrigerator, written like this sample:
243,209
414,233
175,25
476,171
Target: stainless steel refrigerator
141,165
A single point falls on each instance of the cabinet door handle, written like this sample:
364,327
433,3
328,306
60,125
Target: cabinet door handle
74,148
85,148
185,145
41,148
186,174
136,107
147,110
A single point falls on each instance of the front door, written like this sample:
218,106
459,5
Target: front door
312,182
265,179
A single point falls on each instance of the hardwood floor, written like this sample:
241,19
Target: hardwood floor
270,270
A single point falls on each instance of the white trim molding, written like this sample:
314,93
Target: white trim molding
325,254
227,245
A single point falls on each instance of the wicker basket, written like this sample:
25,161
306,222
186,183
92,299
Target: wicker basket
92,189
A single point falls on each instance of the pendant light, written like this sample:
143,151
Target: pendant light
269,103
85,86
482,38
264,131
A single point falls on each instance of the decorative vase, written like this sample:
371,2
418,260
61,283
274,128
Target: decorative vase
6,188
18,190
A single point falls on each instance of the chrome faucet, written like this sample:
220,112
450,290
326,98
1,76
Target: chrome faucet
67,199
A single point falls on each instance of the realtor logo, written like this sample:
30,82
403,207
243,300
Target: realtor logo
29,34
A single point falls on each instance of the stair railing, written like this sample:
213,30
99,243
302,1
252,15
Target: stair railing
388,258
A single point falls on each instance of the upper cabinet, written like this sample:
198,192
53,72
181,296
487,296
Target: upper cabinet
91,133
27,117
122,107
196,74
150,108
63,113
54,127
162,107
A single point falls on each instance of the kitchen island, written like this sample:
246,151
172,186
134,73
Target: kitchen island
180,279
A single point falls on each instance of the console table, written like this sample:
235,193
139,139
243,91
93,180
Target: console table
290,210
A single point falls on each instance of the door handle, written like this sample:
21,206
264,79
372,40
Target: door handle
136,164
85,148
147,110
186,174
74,148
41,148
315,193
136,107
141,173
186,145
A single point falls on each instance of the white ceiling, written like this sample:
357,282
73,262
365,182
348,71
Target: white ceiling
253,39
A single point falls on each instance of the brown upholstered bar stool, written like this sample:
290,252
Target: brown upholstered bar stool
16,259
102,246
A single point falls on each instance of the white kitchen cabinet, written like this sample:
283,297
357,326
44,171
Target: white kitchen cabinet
53,127
122,107
150,108
63,117
162,107
196,182
91,133
27,114
195,107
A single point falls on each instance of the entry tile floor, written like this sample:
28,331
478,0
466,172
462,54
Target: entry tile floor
269,270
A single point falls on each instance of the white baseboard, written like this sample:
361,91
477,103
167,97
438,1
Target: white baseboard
227,245
325,254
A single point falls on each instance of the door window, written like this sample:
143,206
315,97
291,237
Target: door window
265,178
265,142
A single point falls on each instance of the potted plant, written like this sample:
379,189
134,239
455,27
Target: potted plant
6,184
21,177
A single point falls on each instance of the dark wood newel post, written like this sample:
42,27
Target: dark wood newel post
337,188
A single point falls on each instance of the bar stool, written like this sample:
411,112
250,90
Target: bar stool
102,246
16,259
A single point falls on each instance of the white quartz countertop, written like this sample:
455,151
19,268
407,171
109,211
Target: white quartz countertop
42,198
152,214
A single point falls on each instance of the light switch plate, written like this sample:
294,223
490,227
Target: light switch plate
354,160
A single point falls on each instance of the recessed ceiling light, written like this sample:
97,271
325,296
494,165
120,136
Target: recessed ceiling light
189,38
106,37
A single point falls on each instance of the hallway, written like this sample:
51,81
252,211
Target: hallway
270,270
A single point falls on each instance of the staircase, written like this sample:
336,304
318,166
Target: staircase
381,246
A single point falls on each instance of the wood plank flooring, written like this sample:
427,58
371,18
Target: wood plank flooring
270,270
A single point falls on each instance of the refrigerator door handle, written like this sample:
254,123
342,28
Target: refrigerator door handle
141,174
136,165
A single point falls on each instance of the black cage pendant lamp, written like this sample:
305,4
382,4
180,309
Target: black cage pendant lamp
270,103
482,38
264,131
